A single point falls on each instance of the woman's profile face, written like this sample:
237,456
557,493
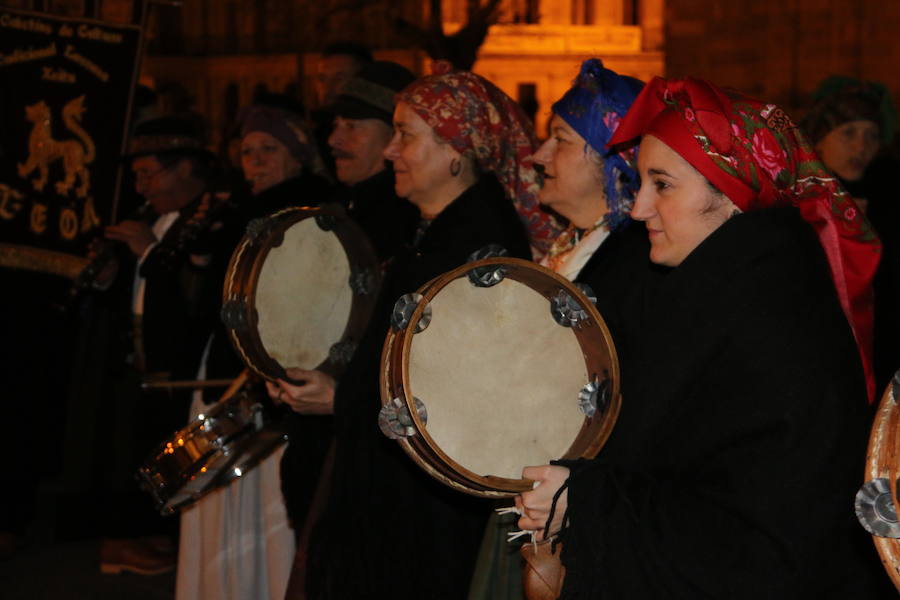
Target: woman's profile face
848,149
573,175
266,161
421,163
675,203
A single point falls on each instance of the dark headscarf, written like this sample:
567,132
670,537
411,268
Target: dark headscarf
287,128
839,100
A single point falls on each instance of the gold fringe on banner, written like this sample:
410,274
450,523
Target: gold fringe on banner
45,261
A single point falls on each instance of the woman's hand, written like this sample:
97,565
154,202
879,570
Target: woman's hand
534,506
314,397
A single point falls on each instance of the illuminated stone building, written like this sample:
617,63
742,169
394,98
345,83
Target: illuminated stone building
224,51
535,50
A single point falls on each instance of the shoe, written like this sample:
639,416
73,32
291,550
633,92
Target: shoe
144,556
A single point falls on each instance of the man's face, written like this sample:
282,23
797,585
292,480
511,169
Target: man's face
159,184
334,72
358,146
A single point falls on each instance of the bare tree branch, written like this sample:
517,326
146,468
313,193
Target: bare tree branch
461,48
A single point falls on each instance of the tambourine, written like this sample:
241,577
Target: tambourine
299,291
494,366
876,500
220,445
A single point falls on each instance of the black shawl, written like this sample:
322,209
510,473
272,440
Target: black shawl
732,470
389,529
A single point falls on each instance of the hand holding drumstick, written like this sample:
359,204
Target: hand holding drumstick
315,396
534,505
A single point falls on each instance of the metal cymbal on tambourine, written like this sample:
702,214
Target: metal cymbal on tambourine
876,500
494,366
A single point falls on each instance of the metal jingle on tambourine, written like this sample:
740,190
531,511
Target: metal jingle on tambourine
395,421
363,281
587,291
326,222
259,229
487,275
567,311
341,352
875,509
489,251
595,396
403,310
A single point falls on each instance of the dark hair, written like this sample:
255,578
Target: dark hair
840,100
360,53
717,200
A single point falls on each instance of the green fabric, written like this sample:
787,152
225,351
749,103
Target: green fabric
498,570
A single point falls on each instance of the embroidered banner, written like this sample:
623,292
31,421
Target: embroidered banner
67,86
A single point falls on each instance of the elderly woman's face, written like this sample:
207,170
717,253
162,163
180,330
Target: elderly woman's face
849,148
266,161
421,163
573,175
675,203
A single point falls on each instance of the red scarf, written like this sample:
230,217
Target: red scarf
756,156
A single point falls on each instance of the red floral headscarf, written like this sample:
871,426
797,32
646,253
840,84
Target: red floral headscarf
479,120
756,156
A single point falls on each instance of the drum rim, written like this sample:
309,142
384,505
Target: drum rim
883,461
166,457
423,449
174,473
242,278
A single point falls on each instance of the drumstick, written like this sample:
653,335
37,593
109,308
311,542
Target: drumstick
236,384
189,384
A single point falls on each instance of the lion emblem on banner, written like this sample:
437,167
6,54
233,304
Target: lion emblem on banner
43,150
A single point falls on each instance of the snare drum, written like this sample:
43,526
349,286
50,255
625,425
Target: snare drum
218,446
876,500
299,291
494,366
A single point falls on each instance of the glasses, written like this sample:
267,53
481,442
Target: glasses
143,176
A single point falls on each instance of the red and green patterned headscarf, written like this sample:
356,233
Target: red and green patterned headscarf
756,156
480,121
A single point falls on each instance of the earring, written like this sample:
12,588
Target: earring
455,167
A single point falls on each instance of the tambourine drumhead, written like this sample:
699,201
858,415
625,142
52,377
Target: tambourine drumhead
489,354
288,304
876,502
299,291
499,377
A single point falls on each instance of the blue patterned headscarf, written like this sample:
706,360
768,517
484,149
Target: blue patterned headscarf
593,107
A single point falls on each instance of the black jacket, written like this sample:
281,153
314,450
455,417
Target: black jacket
389,529
388,220
181,296
733,466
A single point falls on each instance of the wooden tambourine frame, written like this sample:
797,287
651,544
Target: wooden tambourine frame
592,336
240,312
883,462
